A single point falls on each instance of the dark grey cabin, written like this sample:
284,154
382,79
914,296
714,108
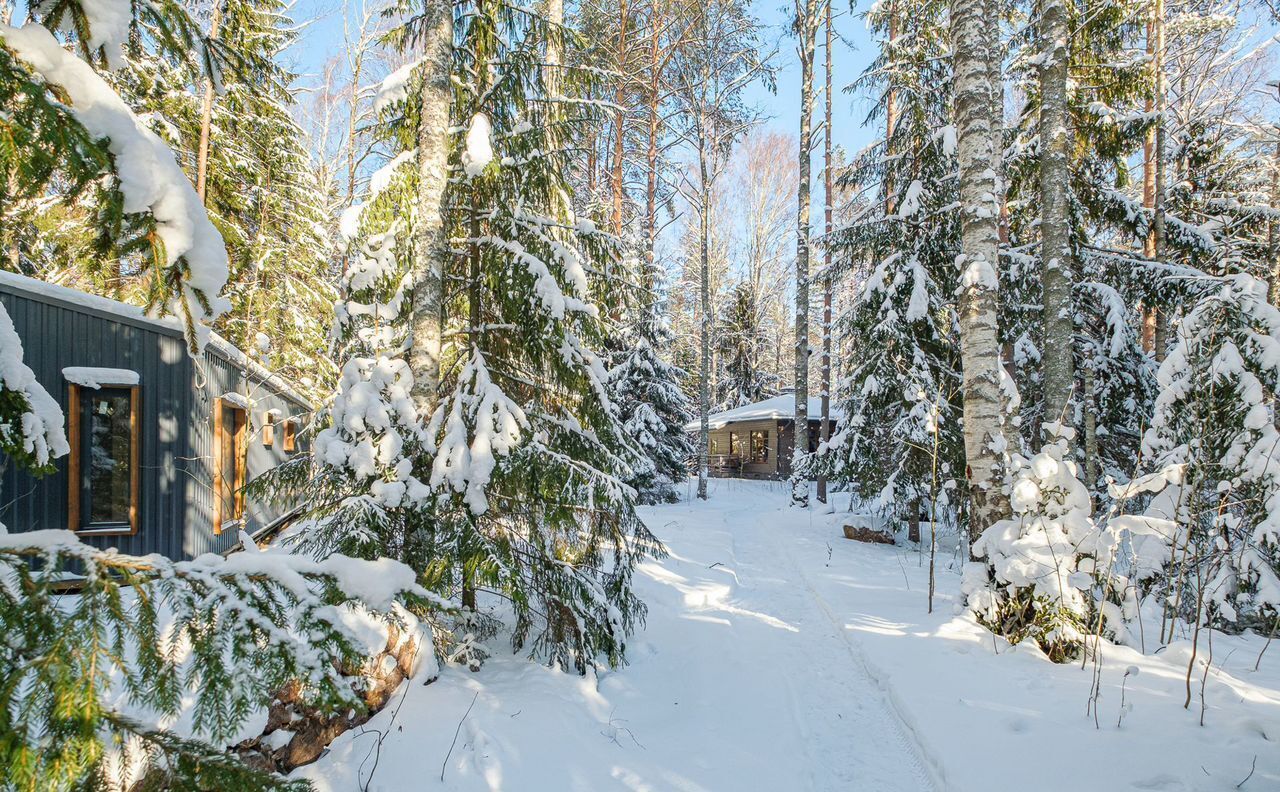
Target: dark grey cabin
161,444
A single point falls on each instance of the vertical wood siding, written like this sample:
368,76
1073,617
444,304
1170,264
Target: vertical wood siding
176,503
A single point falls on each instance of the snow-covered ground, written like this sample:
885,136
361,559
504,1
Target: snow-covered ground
780,656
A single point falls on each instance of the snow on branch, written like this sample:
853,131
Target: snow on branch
30,419
148,176
193,647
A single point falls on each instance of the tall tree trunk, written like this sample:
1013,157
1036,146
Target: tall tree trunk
890,111
1149,197
432,234
652,126
1158,209
1056,255
1273,238
704,334
554,13
1090,428
807,15
353,128
977,148
206,114
827,186
619,132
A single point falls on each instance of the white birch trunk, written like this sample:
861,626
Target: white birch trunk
827,186
431,234
978,152
704,331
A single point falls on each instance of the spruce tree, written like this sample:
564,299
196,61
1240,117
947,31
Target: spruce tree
216,638
512,479
653,410
1212,445
900,391
742,341
69,128
1107,385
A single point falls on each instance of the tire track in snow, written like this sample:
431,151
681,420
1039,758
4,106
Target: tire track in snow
927,770
877,703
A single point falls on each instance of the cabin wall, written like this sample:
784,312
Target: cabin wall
782,441
718,443
175,504
223,376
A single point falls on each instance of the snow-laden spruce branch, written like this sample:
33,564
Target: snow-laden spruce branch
140,642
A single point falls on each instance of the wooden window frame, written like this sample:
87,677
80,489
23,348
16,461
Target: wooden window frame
238,442
764,445
268,429
289,443
74,506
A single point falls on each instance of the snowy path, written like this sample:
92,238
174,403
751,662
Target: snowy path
779,656
757,662
741,680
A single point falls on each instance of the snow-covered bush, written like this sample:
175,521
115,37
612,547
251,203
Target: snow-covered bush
1208,543
1039,572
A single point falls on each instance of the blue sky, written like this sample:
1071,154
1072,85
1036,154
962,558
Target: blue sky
322,38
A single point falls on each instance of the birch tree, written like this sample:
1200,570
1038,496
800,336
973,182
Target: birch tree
435,36
978,151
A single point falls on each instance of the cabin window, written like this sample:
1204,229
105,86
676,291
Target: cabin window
229,421
104,467
269,430
760,447
735,444
290,436
715,445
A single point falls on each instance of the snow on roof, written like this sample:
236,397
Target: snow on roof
778,408
134,314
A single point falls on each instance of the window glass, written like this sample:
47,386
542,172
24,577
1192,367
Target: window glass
760,446
106,467
735,443
230,453
715,445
